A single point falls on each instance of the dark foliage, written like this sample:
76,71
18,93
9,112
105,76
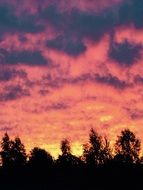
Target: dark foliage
98,168
127,147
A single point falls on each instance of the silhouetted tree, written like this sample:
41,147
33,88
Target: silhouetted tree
40,158
66,159
65,147
127,147
106,152
96,151
18,153
6,155
67,171
92,151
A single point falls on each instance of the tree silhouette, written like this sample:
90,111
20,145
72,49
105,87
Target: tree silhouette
65,147
39,158
127,147
18,153
98,150
6,155
40,171
93,151
13,153
66,159
106,152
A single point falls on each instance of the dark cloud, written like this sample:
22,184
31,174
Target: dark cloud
73,22
73,26
50,106
131,12
6,75
137,114
54,17
9,74
25,22
134,113
112,81
57,106
92,25
125,53
52,82
13,92
70,46
26,57
79,24
6,128
138,79
108,79
7,125
43,92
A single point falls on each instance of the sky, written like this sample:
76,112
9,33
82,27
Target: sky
67,66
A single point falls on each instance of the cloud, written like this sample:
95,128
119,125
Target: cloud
106,79
9,74
125,53
53,16
138,79
79,24
112,81
10,22
27,57
90,25
6,128
60,105
134,113
93,25
131,12
69,46
73,22
13,92
73,25
57,106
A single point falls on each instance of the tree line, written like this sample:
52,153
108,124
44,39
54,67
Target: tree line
97,151
99,161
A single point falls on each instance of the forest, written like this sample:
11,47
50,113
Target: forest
101,165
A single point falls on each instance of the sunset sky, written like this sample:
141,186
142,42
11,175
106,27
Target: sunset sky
67,66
